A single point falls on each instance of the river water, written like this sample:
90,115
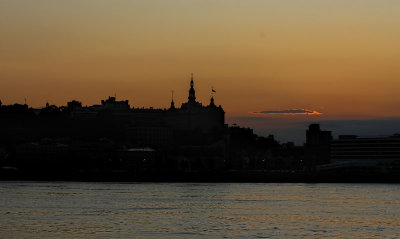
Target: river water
198,210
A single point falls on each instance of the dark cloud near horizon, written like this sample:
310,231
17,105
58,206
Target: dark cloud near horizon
289,111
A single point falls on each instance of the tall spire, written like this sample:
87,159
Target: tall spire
212,101
192,93
212,96
172,100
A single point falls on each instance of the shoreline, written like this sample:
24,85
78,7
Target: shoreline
206,177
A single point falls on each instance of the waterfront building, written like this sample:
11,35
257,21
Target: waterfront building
378,150
353,154
193,135
317,145
317,137
193,116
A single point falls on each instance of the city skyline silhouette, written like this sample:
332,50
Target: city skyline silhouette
199,119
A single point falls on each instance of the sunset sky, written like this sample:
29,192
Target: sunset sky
339,58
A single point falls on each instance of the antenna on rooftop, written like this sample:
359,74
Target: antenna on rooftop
25,100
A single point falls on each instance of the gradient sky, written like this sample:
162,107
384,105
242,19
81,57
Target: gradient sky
340,57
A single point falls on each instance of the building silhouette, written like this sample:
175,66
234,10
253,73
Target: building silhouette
191,137
317,146
193,116
375,152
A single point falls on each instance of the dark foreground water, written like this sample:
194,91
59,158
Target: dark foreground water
200,210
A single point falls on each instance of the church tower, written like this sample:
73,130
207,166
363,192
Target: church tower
192,93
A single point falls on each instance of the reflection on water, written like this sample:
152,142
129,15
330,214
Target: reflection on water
204,210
